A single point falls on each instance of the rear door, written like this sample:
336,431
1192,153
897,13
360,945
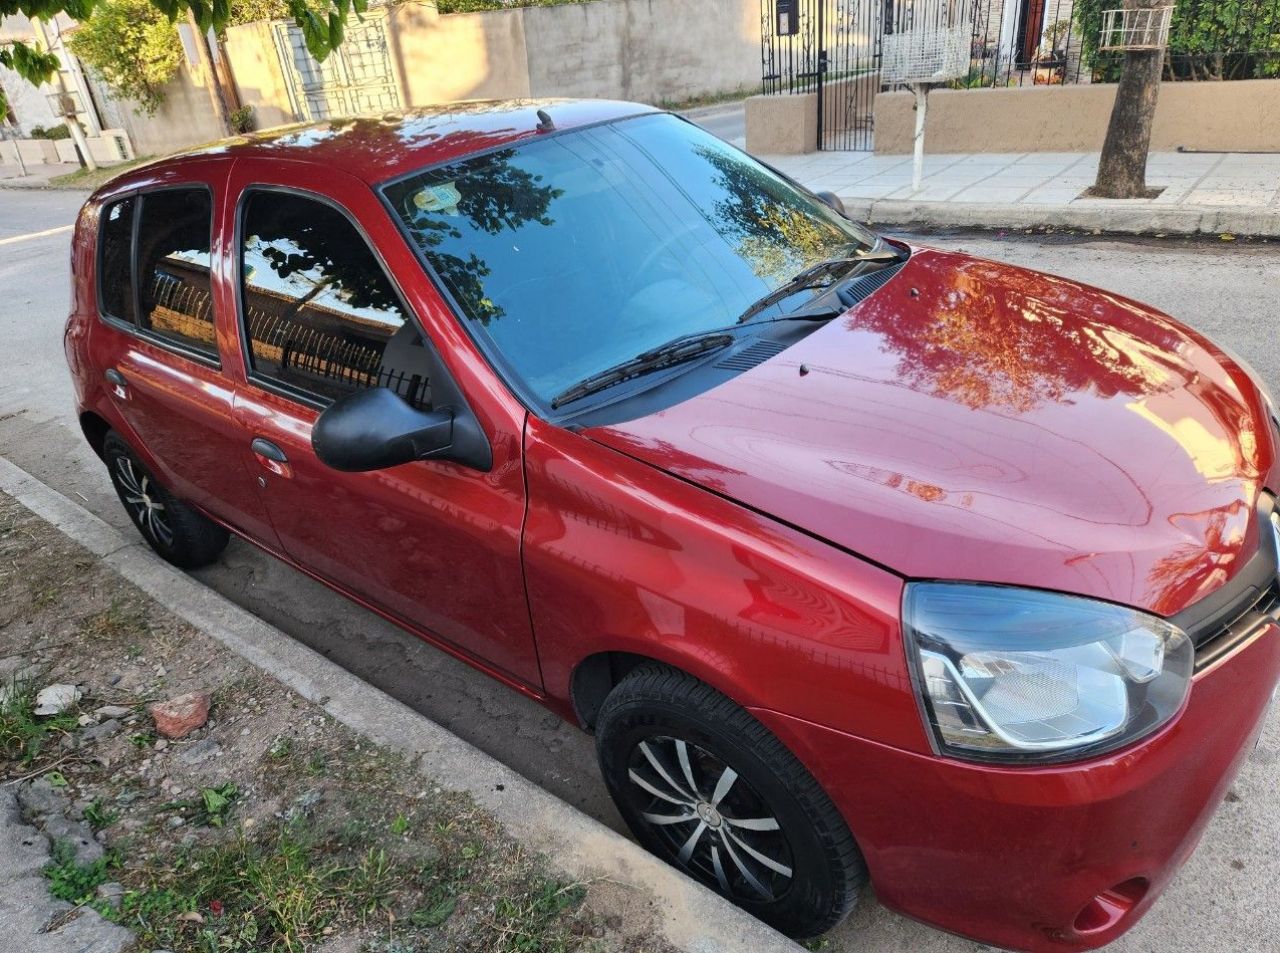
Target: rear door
160,341
435,545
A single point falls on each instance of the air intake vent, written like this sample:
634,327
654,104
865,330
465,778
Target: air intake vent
861,288
749,357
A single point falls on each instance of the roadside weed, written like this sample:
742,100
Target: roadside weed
23,734
70,881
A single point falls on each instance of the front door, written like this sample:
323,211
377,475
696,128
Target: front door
435,545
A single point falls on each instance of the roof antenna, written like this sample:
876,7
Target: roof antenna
544,122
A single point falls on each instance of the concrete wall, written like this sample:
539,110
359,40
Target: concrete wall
1238,116
782,125
652,51
255,64
186,118
459,56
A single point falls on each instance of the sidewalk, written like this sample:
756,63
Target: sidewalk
37,176
1208,193
201,641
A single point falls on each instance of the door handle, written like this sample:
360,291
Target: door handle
271,457
119,383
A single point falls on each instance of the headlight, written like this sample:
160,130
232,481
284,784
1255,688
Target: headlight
1007,674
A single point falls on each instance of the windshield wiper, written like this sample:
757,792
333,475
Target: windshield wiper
825,273
667,355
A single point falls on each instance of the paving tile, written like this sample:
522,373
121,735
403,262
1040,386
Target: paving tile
994,194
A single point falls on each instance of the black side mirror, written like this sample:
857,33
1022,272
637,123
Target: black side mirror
375,429
830,198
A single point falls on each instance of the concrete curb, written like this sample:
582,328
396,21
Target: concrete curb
690,916
1105,215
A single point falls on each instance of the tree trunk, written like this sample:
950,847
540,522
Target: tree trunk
201,40
1122,168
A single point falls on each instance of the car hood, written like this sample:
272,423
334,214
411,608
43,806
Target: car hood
975,421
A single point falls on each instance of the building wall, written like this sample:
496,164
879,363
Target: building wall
255,64
1240,116
186,118
652,51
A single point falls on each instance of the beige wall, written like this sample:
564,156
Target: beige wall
1240,116
251,50
652,51
185,118
460,56
782,125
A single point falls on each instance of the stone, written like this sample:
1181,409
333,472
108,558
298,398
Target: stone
113,711
111,892
40,797
175,822
181,715
78,833
202,750
55,699
303,805
101,731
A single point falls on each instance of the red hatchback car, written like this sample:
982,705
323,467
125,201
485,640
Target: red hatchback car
861,560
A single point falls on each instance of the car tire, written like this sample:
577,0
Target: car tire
801,878
177,532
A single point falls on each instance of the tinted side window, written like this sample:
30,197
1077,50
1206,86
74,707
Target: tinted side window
115,242
173,267
321,315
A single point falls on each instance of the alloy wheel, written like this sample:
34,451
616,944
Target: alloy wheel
140,496
713,823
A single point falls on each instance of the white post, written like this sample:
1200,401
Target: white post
917,166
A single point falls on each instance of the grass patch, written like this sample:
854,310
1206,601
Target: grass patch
284,891
85,179
70,881
709,99
23,734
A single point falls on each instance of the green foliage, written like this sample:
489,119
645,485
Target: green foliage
99,816
210,808
479,6
50,132
132,46
322,23
23,735
241,119
1208,39
70,881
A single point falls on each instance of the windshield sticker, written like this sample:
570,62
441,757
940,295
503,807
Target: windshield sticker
438,198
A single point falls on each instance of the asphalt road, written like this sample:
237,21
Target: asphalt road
1225,898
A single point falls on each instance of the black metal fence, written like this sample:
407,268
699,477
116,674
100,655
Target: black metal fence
833,48
830,48
1026,42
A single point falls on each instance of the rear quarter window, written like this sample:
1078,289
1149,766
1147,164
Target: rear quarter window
115,273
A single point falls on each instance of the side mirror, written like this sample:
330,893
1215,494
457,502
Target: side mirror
830,198
375,429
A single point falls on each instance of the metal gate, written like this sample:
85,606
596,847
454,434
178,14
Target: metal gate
355,79
831,48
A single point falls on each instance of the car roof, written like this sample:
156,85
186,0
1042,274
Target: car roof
378,148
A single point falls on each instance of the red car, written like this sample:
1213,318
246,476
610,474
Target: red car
861,560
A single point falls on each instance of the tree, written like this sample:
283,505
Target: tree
132,46
322,25
1122,167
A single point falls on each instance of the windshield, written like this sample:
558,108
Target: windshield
576,252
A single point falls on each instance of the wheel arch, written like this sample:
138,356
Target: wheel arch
95,429
596,675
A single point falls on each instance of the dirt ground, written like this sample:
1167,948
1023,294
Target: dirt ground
272,827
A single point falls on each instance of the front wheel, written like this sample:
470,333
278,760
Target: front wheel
176,531
705,786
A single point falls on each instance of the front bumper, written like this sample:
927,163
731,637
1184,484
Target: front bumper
1030,858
